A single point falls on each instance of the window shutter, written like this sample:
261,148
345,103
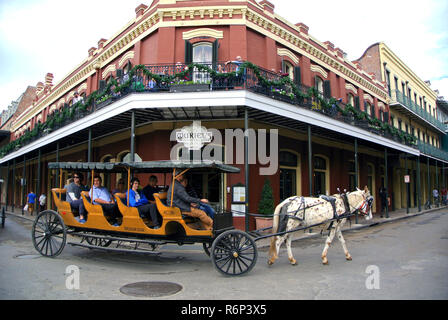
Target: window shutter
188,52
215,54
327,89
283,66
357,103
386,117
102,85
119,73
297,76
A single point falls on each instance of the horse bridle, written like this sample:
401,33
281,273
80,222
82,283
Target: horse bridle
365,206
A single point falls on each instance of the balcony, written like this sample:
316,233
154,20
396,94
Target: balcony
153,79
416,111
432,151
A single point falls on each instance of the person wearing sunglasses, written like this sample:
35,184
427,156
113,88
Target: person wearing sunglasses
73,197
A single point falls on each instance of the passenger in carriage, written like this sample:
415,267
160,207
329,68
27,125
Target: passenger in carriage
188,205
101,196
73,197
120,187
204,205
150,189
145,209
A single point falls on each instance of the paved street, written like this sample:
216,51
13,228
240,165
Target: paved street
410,255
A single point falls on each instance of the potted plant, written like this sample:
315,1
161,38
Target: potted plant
265,206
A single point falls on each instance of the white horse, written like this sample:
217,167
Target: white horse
298,212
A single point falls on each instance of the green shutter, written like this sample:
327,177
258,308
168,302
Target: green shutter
357,103
327,89
102,85
188,52
297,76
215,54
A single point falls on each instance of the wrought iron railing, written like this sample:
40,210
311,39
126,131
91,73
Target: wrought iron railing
164,79
406,101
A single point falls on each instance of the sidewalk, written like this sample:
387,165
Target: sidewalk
300,235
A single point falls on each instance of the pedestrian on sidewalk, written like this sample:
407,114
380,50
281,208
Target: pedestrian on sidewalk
42,202
435,194
444,193
383,200
31,200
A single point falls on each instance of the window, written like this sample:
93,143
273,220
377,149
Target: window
319,85
399,125
320,176
350,99
202,54
288,68
368,108
289,172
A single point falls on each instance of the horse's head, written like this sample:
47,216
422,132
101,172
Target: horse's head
362,201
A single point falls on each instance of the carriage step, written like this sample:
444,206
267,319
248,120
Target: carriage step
75,244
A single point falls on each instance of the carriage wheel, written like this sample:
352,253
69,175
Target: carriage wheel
234,253
207,247
97,242
49,234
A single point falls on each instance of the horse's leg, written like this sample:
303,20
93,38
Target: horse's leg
275,248
342,240
327,245
288,246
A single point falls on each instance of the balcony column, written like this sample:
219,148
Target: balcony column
310,161
246,166
386,182
89,146
7,190
38,180
13,183
356,174
437,178
23,182
406,172
133,136
419,190
429,180
57,160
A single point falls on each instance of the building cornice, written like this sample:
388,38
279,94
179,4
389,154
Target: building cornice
232,14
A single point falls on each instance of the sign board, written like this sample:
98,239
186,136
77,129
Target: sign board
195,136
407,179
239,194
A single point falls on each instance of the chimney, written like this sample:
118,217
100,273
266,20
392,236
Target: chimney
303,28
340,52
267,6
91,51
49,80
40,87
101,43
330,45
140,10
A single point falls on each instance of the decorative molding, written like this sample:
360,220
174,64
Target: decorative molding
109,69
285,52
320,70
126,57
82,88
350,87
202,32
381,105
368,98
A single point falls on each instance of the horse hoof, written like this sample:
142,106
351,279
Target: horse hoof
325,262
293,262
349,258
270,263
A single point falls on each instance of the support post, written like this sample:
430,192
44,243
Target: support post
38,181
356,174
407,184
23,183
419,190
133,136
386,184
437,183
89,146
246,166
310,161
13,184
429,181
57,160
7,189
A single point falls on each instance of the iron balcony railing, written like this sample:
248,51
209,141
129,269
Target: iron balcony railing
168,80
406,101
430,150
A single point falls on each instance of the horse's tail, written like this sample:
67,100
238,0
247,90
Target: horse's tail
275,223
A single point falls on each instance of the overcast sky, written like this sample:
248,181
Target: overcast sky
40,36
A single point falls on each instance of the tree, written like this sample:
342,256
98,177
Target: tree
266,204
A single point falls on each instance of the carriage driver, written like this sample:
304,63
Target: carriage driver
188,205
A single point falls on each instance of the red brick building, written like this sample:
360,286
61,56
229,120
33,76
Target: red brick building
317,148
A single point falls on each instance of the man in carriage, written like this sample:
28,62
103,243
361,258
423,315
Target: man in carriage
188,205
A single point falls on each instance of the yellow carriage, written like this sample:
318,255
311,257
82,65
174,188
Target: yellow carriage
233,252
